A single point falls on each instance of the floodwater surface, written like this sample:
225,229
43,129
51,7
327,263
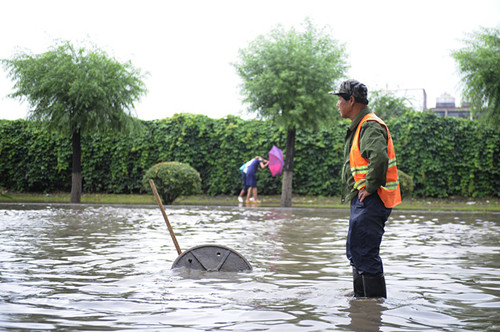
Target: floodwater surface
91,267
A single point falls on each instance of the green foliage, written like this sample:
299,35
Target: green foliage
319,160
287,75
173,179
388,106
286,78
443,156
76,90
31,159
3,193
406,184
479,64
447,156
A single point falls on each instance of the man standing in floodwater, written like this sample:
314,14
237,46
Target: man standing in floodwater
370,182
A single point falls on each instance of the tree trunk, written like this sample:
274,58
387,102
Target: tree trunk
76,170
286,188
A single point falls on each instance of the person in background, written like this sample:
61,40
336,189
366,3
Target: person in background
251,178
370,183
243,170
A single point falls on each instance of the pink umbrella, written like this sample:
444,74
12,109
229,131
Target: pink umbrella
276,161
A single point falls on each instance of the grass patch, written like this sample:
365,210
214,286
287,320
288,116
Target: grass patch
86,198
428,204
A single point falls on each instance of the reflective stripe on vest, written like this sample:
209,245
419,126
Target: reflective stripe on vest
390,193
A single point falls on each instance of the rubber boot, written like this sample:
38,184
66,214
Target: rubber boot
374,286
357,282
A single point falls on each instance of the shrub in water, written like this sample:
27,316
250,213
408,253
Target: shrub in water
173,179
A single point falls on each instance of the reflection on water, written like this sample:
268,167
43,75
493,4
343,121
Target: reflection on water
108,268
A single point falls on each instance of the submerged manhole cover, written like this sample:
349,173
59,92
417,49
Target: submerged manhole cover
212,258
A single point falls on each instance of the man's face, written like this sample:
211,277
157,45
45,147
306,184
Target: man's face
345,107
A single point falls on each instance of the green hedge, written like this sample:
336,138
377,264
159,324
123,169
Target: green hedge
445,156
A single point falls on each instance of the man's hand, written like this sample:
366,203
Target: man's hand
362,194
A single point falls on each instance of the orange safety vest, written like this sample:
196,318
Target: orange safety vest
390,194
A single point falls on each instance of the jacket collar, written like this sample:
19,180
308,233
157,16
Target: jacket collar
357,120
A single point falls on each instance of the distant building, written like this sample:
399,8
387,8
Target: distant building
445,106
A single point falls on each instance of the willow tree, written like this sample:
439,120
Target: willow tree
479,65
389,106
76,91
286,78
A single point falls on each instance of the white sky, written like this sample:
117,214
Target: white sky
188,46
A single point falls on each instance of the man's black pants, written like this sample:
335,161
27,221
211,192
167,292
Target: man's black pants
366,228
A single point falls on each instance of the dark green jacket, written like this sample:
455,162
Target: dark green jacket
373,146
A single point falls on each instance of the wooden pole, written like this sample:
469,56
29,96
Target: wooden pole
152,184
